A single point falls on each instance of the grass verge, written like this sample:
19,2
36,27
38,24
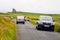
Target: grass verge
7,29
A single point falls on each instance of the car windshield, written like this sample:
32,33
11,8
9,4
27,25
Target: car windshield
46,18
20,17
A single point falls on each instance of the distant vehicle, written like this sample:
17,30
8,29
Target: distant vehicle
45,22
20,19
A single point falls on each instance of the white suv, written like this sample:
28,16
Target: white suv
45,22
20,19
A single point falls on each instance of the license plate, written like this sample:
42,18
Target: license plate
46,26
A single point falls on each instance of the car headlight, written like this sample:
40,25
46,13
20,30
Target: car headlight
52,23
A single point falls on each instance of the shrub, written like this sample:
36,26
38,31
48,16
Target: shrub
57,27
33,21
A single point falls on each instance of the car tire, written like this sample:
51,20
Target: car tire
23,22
37,28
52,29
16,22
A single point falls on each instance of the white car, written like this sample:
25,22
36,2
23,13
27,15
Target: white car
20,19
45,22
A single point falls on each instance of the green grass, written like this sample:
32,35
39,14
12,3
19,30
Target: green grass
56,17
7,29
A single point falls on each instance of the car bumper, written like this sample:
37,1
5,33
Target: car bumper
20,21
44,26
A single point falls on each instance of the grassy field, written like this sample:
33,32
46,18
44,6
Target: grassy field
56,17
7,28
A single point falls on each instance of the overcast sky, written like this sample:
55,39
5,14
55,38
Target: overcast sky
40,6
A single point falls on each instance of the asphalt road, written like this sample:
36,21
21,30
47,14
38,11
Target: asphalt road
27,31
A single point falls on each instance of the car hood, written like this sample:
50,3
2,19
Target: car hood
41,21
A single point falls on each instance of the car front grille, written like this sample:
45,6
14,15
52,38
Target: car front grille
47,23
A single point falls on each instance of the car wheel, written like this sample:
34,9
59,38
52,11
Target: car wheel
23,22
16,22
52,29
37,28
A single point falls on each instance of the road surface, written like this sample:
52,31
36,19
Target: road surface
27,31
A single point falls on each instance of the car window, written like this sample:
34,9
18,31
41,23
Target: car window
46,19
20,17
